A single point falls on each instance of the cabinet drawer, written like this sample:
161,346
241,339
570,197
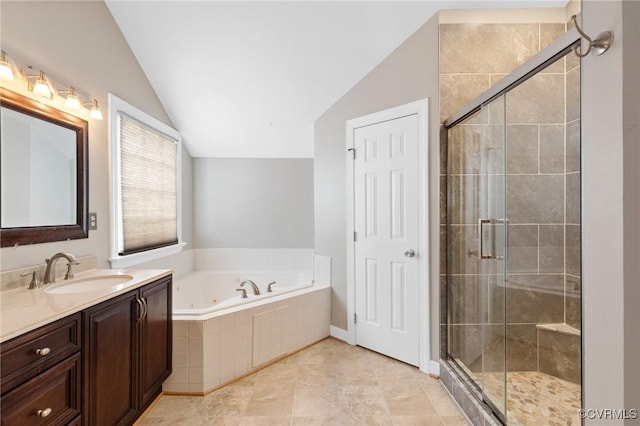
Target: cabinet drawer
51,398
28,355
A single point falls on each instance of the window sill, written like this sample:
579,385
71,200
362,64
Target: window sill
119,262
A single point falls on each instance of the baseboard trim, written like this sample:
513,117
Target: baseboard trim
338,333
434,369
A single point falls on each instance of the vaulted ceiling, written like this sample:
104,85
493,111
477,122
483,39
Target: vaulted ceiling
248,79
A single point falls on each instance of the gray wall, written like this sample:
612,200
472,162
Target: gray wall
408,74
253,203
611,210
631,124
93,55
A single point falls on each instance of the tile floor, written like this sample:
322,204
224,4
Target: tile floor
329,383
535,398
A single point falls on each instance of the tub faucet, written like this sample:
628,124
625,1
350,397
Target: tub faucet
50,272
253,285
269,290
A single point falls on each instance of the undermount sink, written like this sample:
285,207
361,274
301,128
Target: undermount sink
89,284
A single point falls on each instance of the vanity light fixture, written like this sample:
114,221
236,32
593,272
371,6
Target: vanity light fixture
6,71
73,101
41,86
95,113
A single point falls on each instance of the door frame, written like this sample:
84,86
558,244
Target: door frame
421,109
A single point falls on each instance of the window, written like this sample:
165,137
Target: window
145,186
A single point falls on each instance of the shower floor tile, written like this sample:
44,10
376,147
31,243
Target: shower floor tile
535,398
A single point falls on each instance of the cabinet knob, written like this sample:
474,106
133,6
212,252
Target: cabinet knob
43,351
44,413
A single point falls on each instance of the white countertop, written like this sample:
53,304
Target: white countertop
23,310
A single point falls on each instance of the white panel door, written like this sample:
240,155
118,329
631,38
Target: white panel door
386,225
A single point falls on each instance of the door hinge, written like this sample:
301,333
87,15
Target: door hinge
355,318
355,236
353,151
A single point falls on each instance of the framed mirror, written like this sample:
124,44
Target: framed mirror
44,173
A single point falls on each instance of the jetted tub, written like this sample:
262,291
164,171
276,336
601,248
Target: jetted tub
218,336
203,293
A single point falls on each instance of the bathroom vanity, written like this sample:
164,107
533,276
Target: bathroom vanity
87,351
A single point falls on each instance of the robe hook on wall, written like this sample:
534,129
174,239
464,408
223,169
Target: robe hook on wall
601,44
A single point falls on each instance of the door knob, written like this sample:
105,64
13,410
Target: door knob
409,253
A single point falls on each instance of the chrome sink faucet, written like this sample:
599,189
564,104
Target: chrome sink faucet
253,285
50,272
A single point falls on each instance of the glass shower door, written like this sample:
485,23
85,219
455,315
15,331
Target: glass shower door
476,241
514,321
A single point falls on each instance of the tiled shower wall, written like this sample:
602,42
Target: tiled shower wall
572,214
472,58
559,352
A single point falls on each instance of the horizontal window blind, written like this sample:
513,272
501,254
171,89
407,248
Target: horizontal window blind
148,183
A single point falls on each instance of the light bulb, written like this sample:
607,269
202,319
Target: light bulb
6,72
73,101
41,87
95,113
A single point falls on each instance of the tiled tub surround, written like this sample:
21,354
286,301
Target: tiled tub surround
235,341
217,346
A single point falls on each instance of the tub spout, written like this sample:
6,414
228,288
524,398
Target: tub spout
253,285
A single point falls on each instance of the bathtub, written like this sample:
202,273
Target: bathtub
203,293
218,336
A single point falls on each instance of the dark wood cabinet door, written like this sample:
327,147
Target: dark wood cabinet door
109,361
155,340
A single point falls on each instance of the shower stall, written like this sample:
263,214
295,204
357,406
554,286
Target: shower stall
513,284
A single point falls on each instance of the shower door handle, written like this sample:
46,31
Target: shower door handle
481,238
485,235
505,228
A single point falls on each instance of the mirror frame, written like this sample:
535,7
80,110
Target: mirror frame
44,234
